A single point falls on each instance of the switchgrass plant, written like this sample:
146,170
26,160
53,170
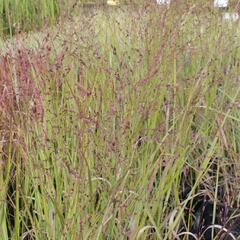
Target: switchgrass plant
111,124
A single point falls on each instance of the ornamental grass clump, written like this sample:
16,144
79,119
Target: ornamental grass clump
117,124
